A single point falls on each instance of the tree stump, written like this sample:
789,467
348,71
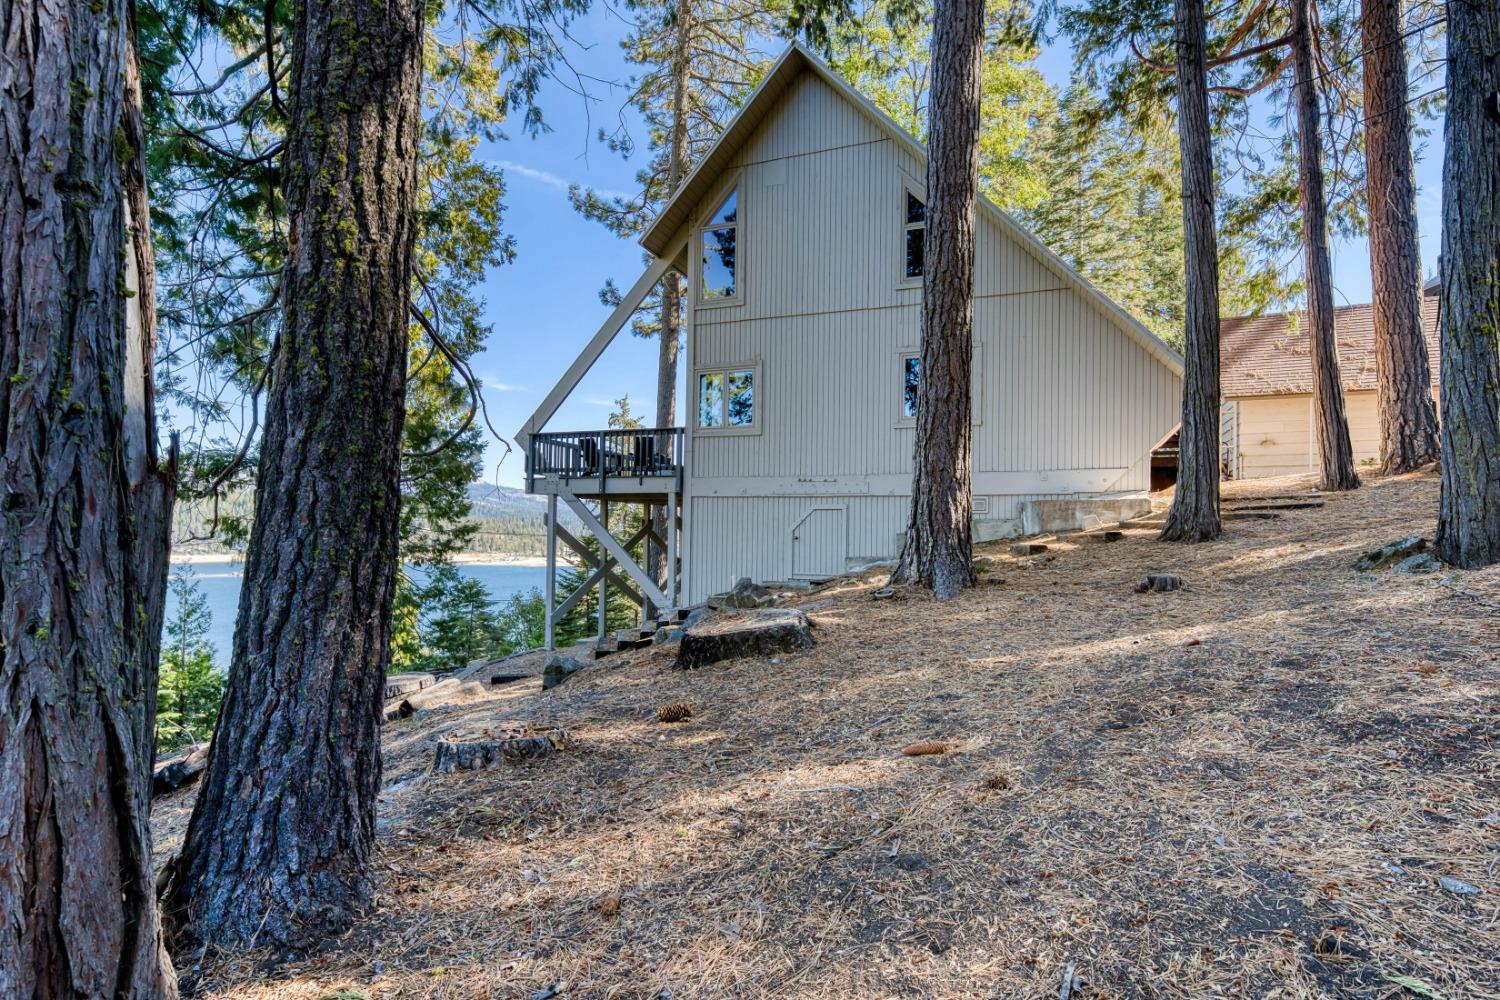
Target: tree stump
508,743
1159,583
759,633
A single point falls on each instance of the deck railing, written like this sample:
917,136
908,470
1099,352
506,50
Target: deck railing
603,455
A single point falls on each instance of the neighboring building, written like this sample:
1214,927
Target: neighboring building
1266,370
801,238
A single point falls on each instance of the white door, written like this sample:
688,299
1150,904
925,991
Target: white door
819,544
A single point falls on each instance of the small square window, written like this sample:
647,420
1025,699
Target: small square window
726,398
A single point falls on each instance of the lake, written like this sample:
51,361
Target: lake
220,584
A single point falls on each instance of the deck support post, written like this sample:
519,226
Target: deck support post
551,583
671,551
603,580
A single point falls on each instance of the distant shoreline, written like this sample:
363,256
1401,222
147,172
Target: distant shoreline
461,559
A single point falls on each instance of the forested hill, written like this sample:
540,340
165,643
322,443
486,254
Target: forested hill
509,522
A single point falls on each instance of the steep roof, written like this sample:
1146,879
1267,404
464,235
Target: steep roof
1270,355
762,101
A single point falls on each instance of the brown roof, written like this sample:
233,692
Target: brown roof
1268,355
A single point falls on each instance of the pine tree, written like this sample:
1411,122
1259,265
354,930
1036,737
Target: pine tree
88,503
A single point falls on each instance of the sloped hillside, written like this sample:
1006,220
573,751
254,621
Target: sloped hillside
1282,780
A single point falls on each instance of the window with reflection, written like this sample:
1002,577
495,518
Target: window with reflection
720,242
911,380
914,235
726,398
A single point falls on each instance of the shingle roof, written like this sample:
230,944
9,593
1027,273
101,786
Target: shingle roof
1269,355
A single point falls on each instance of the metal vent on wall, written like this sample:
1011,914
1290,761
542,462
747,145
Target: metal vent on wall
981,505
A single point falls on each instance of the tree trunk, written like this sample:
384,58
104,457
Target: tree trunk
279,843
939,545
1408,418
86,516
1468,532
1335,451
670,338
1194,516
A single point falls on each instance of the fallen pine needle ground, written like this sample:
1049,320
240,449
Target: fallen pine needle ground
1279,781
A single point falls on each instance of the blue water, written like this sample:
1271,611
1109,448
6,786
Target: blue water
220,584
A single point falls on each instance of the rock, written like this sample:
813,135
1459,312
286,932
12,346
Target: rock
558,668
1387,554
667,636
401,685
179,770
1458,887
884,593
509,743
1027,549
1418,565
743,595
757,633
1160,583
695,616
1102,536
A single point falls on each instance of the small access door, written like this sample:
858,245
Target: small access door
819,544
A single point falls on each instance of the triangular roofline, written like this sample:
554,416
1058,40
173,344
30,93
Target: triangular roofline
675,215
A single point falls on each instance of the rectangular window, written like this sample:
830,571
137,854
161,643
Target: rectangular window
726,398
909,366
914,236
717,270
911,378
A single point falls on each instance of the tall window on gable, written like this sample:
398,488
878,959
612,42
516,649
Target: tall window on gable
717,273
726,398
914,235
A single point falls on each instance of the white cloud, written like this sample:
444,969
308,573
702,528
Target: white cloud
550,179
499,386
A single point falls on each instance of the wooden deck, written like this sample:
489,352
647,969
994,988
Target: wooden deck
633,466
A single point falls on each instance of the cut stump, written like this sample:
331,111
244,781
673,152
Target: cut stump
508,743
757,633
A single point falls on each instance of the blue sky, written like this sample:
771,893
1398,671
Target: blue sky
544,307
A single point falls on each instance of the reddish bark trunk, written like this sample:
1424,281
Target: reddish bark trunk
1408,418
85,516
1468,531
1194,516
1334,448
279,844
939,545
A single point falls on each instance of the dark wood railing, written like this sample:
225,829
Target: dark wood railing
604,455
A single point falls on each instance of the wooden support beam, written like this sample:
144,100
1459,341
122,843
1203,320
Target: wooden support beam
599,573
671,551
642,579
603,577
551,584
595,347
592,562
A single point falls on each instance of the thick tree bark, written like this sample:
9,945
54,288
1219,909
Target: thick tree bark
669,339
1468,531
1194,516
1408,418
279,844
1334,449
939,545
86,512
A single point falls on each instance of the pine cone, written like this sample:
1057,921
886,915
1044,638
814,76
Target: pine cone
674,713
924,748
